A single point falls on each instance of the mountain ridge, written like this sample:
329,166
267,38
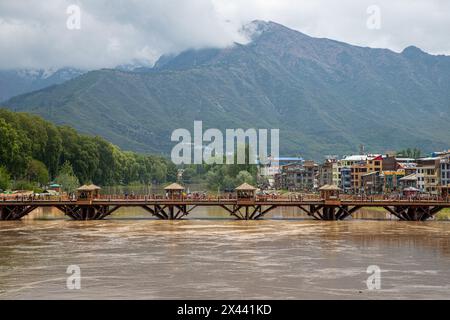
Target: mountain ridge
326,96
15,82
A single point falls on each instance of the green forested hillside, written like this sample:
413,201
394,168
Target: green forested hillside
326,97
34,151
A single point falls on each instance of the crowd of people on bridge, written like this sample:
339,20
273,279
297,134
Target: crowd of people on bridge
205,196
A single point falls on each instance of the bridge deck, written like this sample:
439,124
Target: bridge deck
220,202
248,209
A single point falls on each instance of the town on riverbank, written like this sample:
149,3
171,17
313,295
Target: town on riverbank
363,174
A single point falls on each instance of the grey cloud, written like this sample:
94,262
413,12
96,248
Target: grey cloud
34,33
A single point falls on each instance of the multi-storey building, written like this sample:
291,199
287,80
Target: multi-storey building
273,167
408,167
361,165
372,182
346,179
428,175
357,166
336,178
409,181
391,180
292,176
367,173
297,176
326,172
444,171
310,177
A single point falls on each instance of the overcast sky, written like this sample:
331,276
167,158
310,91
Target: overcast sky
112,32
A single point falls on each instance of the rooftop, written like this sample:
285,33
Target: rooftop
245,187
329,187
90,187
355,158
411,177
174,186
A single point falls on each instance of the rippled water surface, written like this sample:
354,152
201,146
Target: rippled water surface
210,256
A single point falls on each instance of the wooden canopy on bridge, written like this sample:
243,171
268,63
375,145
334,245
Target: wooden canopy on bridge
411,192
329,191
174,191
88,192
246,192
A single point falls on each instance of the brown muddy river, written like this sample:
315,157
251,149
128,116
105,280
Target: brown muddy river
209,256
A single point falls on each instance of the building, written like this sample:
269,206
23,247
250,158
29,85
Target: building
297,176
366,173
428,175
310,177
409,181
372,182
273,167
279,181
336,178
391,180
388,163
326,172
444,171
55,187
292,176
408,167
358,166
361,165
346,179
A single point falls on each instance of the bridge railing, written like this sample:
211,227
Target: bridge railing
228,198
13,198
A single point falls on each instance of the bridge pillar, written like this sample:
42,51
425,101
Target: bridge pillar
87,212
15,212
330,212
248,211
168,212
414,213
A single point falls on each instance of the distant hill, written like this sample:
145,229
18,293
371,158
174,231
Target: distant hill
18,81
327,97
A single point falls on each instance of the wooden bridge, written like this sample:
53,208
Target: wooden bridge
242,209
244,204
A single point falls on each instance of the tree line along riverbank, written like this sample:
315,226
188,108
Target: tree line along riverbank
35,152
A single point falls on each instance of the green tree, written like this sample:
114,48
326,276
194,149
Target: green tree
37,172
67,178
23,185
28,144
13,155
5,179
410,153
53,148
214,178
244,177
188,174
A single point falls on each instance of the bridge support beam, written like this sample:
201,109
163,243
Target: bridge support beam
414,213
87,212
169,212
329,213
248,212
15,212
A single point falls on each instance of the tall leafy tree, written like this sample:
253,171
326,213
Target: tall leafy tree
5,179
67,178
37,172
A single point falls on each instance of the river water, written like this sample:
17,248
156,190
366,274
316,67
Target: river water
210,256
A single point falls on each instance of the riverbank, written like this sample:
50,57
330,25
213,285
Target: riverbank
443,215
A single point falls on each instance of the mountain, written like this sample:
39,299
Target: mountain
325,96
18,81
